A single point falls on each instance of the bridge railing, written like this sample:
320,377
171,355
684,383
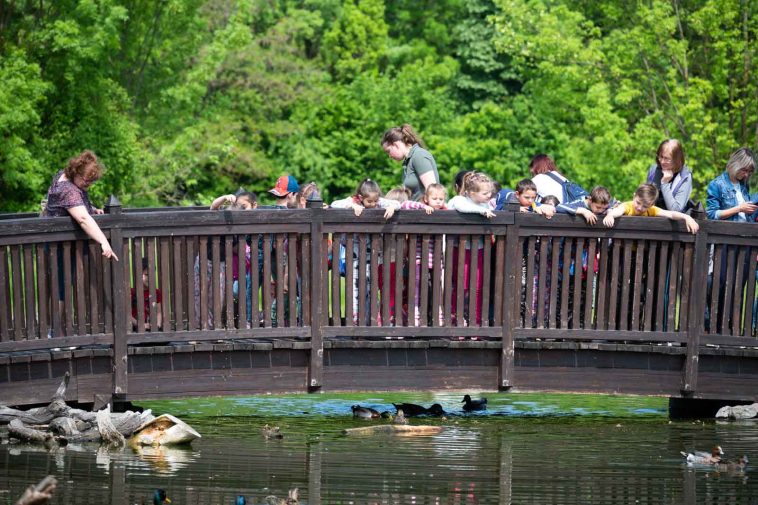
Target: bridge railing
316,274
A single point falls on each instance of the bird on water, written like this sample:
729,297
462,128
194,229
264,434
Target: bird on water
472,405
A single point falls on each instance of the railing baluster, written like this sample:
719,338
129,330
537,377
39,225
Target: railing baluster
750,295
739,286
336,312
30,296
626,285
177,246
388,282
555,253
578,269
448,309
266,282
228,299
638,286
373,305
281,281
5,286
43,292
715,288
664,273
652,275
401,258
602,287
293,275
487,278
152,294
350,259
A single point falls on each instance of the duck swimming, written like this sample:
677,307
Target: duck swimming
704,458
733,466
364,412
472,405
413,410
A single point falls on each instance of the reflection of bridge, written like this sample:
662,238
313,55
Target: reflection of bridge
563,306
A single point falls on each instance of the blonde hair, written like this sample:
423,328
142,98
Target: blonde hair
647,193
435,187
399,193
475,181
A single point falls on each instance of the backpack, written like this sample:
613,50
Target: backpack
571,190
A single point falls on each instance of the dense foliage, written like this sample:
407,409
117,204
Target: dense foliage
187,99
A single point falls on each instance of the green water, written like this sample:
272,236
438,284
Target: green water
562,449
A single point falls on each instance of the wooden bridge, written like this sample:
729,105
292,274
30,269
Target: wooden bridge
562,306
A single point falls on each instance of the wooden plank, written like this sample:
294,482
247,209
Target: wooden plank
5,283
422,266
402,257
685,294
136,274
460,283
731,268
602,287
577,305
292,277
228,295
373,305
305,281
255,280
626,286
448,298
663,274
42,292
178,244
152,284
281,281
95,287
325,282
266,283
529,280
614,285
386,264
30,297
715,288
318,260
107,303
416,266
736,328
81,289
499,292
193,318
18,293
336,311
613,335
216,293
165,283
68,304
121,318
589,303
638,287
555,253
474,297
362,280
486,276
204,280
350,287
426,333
747,330
676,251
438,282
542,281
566,245
651,277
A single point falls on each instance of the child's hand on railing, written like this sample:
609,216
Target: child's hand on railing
692,225
429,209
389,212
357,209
609,221
587,215
488,214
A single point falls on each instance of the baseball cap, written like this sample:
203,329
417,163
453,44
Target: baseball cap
284,185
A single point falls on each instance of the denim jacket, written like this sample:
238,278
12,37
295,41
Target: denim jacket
722,196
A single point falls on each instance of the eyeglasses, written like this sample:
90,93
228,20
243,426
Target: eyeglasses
666,159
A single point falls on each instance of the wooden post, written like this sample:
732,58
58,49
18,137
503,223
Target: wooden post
512,269
318,276
119,301
696,316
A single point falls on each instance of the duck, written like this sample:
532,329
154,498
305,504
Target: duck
269,432
364,412
472,405
413,410
704,458
290,500
733,466
159,497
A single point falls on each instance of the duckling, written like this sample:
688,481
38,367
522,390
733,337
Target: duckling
400,418
364,412
704,458
435,410
472,405
269,432
290,500
733,466
159,497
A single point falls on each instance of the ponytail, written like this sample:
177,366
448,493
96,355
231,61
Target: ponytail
404,133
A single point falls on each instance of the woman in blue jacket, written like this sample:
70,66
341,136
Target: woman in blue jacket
728,194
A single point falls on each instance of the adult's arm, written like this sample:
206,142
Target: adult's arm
679,201
427,179
713,205
90,227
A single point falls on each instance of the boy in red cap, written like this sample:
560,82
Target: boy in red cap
285,190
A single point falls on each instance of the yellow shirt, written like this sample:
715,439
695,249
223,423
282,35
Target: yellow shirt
653,211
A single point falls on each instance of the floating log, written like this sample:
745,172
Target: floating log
108,432
401,429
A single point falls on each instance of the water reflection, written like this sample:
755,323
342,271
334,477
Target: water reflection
571,455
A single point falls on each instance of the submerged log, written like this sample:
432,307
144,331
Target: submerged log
41,493
108,432
401,429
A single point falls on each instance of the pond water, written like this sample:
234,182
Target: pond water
557,449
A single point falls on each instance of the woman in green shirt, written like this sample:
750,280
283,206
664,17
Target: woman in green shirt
401,143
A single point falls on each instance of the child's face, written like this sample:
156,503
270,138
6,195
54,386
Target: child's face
598,208
640,207
144,278
482,194
370,201
527,197
435,199
244,204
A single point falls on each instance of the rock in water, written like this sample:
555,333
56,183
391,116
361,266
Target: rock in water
164,430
